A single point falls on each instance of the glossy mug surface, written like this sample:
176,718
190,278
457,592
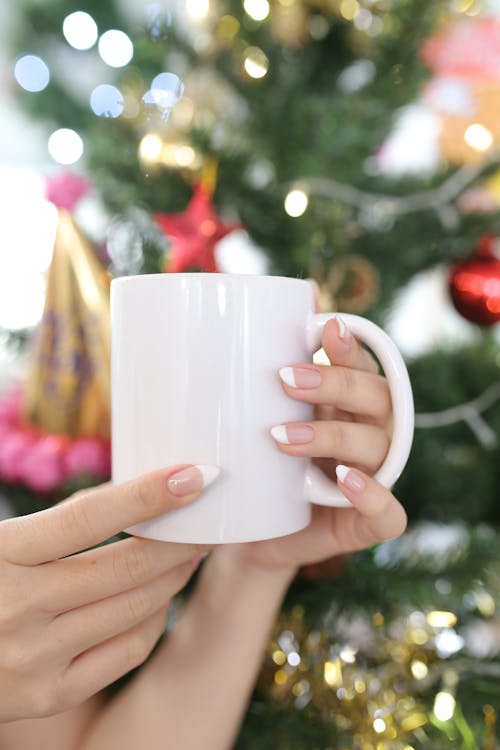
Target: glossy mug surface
195,360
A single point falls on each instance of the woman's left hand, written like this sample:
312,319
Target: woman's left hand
354,408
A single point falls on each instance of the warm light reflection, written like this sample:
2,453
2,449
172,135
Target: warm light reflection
115,48
197,9
257,9
150,147
444,706
379,725
80,30
65,146
32,73
478,137
296,203
439,619
349,9
255,62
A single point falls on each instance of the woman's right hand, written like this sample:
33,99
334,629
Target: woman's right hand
70,624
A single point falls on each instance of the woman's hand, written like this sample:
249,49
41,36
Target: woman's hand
72,624
353,405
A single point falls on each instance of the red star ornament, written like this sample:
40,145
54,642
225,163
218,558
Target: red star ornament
194,233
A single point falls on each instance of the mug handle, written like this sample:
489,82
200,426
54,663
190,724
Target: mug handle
321,490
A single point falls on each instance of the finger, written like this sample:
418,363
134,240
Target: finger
98,514
109,570
343,349
355,391
101,665
80,629
379,515
362,444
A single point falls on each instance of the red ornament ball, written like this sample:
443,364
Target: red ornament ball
475,285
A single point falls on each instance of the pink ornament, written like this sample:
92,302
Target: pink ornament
468,48
87,456
66,189
42,468
15,446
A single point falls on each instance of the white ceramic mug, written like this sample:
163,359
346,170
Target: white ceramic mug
195,360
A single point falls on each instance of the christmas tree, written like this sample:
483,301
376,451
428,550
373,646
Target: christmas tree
277,123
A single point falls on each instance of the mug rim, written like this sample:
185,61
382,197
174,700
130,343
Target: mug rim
147,277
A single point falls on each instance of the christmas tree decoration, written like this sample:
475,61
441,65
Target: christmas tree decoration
465,59
354,283
475,284
67,388
195,233
398,647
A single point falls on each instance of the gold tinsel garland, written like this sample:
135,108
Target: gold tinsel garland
373,685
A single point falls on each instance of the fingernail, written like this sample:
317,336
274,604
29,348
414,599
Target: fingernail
301,377
193,479
352,480
345,334
292,434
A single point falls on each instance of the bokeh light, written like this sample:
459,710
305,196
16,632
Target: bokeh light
255,62
478,137
197,9
444,706
257,9
150,147
65,146
115,48
32,73
107,101
296,203
80,30
166,89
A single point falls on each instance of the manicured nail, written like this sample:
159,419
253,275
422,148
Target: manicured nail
193,479
301,377
344,333
352,480
292,434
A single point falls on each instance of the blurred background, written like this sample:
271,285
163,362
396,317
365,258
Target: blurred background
356,142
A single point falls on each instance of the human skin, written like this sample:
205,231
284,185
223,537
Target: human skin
193,691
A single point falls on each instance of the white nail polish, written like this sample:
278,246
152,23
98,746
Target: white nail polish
279,434
342,327
209,473
287,376
342,471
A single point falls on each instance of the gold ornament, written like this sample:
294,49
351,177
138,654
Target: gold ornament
289,23
67,391
354,283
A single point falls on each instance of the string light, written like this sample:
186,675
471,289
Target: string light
197,9
80,30
444,706
349,9
296,203
32,73
65,146
150,147
439,619
106,101
478,137
255,62
115,48
257,9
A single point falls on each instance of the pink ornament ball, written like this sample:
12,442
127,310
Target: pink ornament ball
87,456
42,467
9,406
15,446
